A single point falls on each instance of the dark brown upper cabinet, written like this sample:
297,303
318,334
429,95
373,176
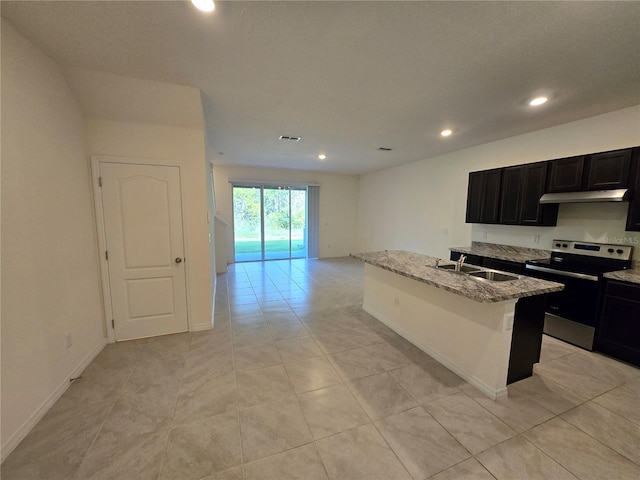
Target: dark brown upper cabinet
633,215
600,171
511,197
535,181
609,170
483,196
566,174
522,187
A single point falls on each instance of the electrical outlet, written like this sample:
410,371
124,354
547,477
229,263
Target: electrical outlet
67,340
536,239
484,234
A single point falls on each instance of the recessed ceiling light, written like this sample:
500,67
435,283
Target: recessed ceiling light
322,156
446,133
204,5
538,101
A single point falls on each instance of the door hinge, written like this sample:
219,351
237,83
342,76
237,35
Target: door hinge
113,324
106,255
99,181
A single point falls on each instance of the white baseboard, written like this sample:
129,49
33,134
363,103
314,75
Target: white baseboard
13,441
201,327
494,394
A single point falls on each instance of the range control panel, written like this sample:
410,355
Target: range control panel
600,250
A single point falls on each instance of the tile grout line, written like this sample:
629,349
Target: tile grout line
555,416
295,394
344,381
111,408
235,376
371,421
320,312
608,409
591,436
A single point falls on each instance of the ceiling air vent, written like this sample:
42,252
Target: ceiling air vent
385,149
290,138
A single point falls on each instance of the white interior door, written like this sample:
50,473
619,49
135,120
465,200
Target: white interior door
142,210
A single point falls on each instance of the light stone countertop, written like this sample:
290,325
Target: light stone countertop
420,267
522,254
503,252
632,275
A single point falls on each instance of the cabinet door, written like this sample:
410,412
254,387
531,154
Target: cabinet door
483,196
619,333
609,170
566,175
511,197
491,196
474,197
532,213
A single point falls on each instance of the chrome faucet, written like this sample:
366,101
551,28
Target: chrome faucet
438,262
460,262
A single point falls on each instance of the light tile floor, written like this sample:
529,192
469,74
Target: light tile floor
297,382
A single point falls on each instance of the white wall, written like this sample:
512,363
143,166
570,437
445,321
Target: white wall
171,146
338,203
50,275
421,206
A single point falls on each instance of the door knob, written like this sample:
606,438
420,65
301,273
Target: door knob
178,260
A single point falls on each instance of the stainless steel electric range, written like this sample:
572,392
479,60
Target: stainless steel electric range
572,314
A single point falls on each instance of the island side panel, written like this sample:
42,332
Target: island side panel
472,339
526,341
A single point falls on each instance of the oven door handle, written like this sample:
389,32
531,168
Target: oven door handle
583,276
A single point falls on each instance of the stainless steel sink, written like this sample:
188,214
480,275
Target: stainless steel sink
464,268
478,273
493,276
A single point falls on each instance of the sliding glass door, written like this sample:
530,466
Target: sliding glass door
270,222
277,223
247,223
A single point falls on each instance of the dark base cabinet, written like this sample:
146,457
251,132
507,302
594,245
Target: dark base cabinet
619,332
504,265
526,340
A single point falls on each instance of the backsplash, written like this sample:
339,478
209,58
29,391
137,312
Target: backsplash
511,249
589,222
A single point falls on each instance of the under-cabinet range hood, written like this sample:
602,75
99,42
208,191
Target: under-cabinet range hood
618,195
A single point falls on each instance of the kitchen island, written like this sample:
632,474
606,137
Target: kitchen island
486,332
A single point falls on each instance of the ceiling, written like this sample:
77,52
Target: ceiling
350,77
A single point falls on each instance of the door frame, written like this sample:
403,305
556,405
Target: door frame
96,160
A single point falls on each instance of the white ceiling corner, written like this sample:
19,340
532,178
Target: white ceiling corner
348,77
119,98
